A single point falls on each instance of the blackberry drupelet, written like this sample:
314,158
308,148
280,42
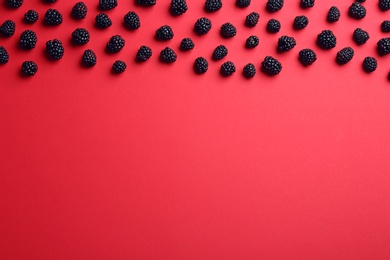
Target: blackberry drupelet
168,55
201,65
385,26
271,66
300,22
220,52
53,17
131,21
252,42
7,29
115,44
102,21
228,30
252,19
4,57
357,11
326,40
360,36
307,3
212,5
79,11
370,64
243,3
274,5
273,26
307,57
119,67
143,54
28,40
249,71
227,69
146,3
178,7
384,5
333,15
107,4
54,49
286,43
14,3
29,68
187,44
344,56
31,17
202,26
80,36
89,59
383,46
164,33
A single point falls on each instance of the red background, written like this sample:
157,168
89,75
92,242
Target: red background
159,163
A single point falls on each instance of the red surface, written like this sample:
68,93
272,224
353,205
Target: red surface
159,163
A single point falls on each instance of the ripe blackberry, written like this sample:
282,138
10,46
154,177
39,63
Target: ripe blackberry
227,69
357,11
178,7
360,36
344,56
274,5
249,71
220,52
202,26
131,21
143,54
252,19
243,3
54,49
30,17
212,5
146,3
333,15
49,1
89,59
286,43
307,57
273,26
7,29
271,66
326,40
370,64
307,3
115,44
384,5
186,44
201,65
383,46
29,68
107,4
80,36
168,55
14,3
53,17
102,21
119,67
228,30
164,33
385,26
4,57
252,42
28,40
300,22
79,11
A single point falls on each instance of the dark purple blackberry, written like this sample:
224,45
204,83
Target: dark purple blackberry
102,21
145,3
344,56
360,1
89,59
307,57
360,36
29,68
220,52
228,30
357,11
143,54
119,67
252,42
28,40
49,1
14,3
271,66
107,4
7,29
54,49
326,40
286,43
385,26
202,26
273,26
243,3
370,64
201,65
131,21
164,33
252,19
31,17
300,22
333,15
384,5
249,71
53,17
383,46
274,5
187,44
115,44
212,5
227,69
388,76
79,11
307,3
168,55
4,57
80,36
178,7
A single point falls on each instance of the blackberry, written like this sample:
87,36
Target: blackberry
212,5
385,26
164,33
53,17
119,67
178,7
370,64
243,3
252,19
228,30
202,26
344,56
274,5
49,1
54,49
227,69
252,42
187,44
333,15
357,11
249,71
307,57
146,3
89,59
102,21
143,54
31,17
383,46
4,57
79,11
29,68
271,66
220,52
360,1
28,40
7,29
107,4
201,65
80,36
360,36
168,55
131,21
286,43
384,5
307,3
388,76
273,26
14,3
326,40
300,22
115,44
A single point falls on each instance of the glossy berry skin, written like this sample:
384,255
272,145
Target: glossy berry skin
107,4
53,17
326,40
385,26
164,33
273,26
168,55
357,11
307,57
285,43
228,30
271,66
220,52
80,36
249,71
115,44
143,54
370,64
384,5
29,68
333,15
4,56
383,46
28,40
178,7
145,3
344,56
300,22
252,19
201,65
132,21
119,67
252,42
227,69
212,5
102,21
54,49
360,36
187,44
79,11
243,3
31,17
7,29
273,6
89,59
307,4
202,26
13,3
